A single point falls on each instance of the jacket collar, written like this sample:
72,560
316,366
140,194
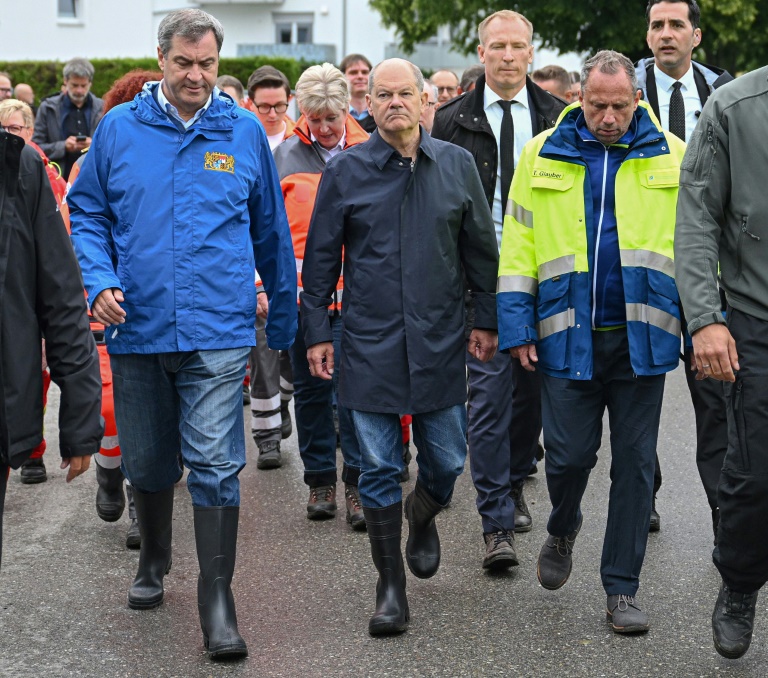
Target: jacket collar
219,116
354,133
381,151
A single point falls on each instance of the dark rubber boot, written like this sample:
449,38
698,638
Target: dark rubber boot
154,512
133,536
110,498
385,527
216,540
422,550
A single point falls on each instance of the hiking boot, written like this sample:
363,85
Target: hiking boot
355,515
269,455
555,560
523,520
499,550
33,471
655,524
322,502
286,424
625,616
732,622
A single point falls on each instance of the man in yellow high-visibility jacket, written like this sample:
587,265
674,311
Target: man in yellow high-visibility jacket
586,293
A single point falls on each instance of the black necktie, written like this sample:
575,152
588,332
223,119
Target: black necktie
677,112
507,153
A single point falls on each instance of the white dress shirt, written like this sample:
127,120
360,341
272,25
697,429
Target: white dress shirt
691,99
172,111
521,119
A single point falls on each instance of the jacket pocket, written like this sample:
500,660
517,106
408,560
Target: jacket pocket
554,318
664,325
739,458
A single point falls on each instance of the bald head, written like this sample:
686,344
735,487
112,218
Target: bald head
24,92
398,67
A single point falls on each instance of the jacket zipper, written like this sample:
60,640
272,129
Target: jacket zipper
740,244
597,240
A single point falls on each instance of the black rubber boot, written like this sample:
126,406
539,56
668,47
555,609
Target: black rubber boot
154,512
216,540
133,536
385,527
422,550
110,498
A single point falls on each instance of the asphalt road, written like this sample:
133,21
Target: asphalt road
305,590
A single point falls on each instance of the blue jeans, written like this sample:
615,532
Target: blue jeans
313,404
441,441
573,426
186,404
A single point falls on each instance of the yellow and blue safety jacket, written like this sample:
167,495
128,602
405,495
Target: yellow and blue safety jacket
545,285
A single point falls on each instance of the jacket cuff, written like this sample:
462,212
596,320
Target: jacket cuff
485,311
81,450
704,320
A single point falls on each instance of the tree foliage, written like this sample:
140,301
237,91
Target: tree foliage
734,30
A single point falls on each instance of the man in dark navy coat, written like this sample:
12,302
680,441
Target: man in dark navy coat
409,213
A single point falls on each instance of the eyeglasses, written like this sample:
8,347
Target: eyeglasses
264,109
431,103
14,129
447,89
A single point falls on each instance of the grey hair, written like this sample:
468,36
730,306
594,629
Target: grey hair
188,24
418,76
609,62
78,68
322,88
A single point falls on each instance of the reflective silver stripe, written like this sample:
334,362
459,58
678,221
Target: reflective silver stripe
522,215
517,283
265,404
654,316
339,295
299,265
648,259
556,323
109,442
564,264
265,423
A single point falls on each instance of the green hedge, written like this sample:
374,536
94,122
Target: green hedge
45,77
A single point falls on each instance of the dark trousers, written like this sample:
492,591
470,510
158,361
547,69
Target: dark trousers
573,427
3,482
708,399
741,554
503,425
313,405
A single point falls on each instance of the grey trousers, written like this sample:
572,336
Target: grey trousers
271,386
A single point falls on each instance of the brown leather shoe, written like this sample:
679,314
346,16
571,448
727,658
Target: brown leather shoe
322,502
355,515
499,550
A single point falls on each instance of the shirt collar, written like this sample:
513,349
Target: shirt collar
490,97
338,147
381,151
665,82
172,111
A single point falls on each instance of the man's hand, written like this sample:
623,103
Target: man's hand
320,359
483,344
77,466
715,352
106,307
72,144
527,356
262,305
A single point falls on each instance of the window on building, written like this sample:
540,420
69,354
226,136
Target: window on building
68,9
294,29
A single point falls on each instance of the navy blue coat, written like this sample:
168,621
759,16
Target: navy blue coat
406,233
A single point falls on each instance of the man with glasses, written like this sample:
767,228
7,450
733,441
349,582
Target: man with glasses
357,69
6,88
271,387
447,83
494,122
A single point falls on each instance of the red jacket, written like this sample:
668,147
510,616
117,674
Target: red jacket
53,171
300,167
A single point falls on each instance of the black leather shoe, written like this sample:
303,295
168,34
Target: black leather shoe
384,531
732,622
269,455
500,551
110,498
625,616
655,524
523,520
555,560
33,472
422,550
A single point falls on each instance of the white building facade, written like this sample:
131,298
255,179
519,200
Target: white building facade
316,30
